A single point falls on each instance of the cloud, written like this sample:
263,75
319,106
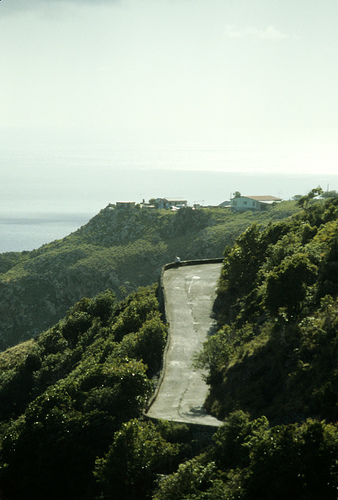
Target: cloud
269,33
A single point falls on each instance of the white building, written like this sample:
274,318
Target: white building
241,203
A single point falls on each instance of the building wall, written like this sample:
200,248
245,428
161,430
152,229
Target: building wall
165,203
125,204
242,203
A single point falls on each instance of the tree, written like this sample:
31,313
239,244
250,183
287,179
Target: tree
229,439
287,285
304,200
215,353
293,461
51,452
330,194
137,454
193,480
243,260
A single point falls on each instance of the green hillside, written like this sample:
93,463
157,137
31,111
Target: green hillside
72,399
66,394
272,367
119,249
276,351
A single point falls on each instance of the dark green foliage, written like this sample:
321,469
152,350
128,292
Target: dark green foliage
133,312
230,451
305,200
275,354
195,479
146,344
102,306
216,354
71,401
51,452
330,194
16,386
9,260
188,219
241,274
252,461
76,325
319,213
243,260
273,286
118,249
122,388
174,432
288,284
293,462
71,390
136,455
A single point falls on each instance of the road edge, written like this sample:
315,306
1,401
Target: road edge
161,296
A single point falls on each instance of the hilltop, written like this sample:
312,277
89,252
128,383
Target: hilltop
119,249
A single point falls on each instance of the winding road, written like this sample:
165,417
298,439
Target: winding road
189,295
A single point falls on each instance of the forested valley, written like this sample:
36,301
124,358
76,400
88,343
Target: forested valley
72,399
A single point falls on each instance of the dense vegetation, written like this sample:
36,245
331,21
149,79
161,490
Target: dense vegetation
74,393
273,366
276,350
71,401
120,249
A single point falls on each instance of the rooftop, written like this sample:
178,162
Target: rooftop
263,198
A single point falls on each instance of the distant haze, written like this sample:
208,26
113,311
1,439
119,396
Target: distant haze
92,90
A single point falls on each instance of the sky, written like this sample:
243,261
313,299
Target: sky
87,73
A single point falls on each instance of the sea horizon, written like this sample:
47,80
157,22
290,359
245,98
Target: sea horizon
26,230
48,190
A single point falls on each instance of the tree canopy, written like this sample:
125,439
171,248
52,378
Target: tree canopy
71,401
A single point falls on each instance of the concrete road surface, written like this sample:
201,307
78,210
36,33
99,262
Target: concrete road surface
189,295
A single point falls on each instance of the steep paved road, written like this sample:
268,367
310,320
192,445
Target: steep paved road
189,295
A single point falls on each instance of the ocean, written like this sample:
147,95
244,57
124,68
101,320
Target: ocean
30,232
48,191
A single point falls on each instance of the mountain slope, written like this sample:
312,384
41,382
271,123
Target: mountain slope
65,394
277,348
117,249
71,425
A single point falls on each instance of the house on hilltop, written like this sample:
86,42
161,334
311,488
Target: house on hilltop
259,203
125,204
170,202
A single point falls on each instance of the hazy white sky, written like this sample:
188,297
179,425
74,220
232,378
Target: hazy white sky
156,65
135,70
